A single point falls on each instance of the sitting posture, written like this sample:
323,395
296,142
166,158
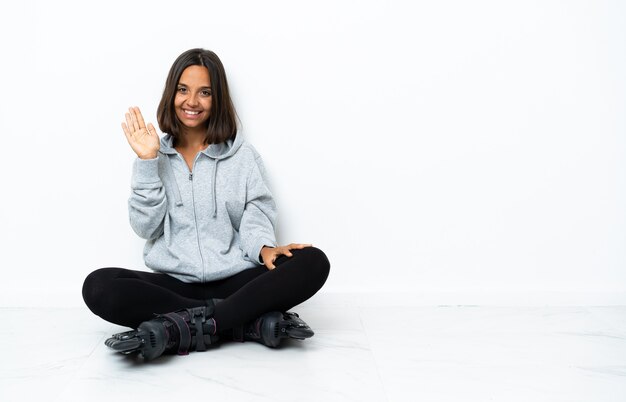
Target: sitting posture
200,199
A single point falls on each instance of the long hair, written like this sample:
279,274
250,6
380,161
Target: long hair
222,122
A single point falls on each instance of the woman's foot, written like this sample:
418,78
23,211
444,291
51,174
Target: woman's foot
271,328
178,332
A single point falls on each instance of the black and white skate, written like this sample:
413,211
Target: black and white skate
271,328
149,340
124,342
177,332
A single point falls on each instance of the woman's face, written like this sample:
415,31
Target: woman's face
193,97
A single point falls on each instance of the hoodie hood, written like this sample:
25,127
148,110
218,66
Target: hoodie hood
213,151
216,152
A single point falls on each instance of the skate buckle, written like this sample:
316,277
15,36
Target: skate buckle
197,318
197,312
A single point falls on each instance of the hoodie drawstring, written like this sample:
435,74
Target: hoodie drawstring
178,198
170,171
214,188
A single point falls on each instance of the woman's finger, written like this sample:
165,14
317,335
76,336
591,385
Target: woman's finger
133,119
129,123
126,132
299,245
285,251
139,116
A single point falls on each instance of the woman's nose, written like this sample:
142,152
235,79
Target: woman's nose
192,100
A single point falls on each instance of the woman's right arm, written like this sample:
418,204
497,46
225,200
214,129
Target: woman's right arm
147,204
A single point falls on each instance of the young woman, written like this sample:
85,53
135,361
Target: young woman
200,199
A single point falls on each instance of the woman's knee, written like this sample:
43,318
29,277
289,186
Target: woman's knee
317,263
96,286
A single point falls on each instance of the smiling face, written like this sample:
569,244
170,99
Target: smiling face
193,98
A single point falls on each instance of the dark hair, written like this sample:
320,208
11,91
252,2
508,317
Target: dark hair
222,122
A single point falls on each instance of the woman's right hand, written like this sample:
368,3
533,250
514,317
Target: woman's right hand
143,140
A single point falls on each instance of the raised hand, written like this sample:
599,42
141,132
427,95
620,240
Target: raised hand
143,140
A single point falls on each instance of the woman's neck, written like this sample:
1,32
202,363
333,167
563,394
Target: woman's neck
191,139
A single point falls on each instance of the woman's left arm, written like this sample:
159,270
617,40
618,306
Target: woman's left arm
257,228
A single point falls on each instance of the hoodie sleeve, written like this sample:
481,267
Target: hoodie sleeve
147,204
259,216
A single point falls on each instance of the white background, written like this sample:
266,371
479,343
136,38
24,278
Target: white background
473,148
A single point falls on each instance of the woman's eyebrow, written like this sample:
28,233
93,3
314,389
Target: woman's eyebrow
181,84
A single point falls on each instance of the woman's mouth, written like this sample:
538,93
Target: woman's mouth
192,114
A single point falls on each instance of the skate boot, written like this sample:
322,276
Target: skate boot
271,328
176,332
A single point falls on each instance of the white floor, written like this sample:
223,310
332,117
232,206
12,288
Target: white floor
359,353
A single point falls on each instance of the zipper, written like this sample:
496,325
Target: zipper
195,219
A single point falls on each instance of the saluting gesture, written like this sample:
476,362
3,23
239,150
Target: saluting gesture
143,140
212,244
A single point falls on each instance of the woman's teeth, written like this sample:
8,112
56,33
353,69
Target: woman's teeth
191,112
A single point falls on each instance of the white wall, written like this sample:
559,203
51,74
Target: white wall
426,146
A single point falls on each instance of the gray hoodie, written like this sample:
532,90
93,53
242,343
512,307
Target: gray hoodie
208,223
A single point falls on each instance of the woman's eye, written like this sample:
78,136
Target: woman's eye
182,90
206,93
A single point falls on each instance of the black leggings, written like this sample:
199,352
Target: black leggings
127,297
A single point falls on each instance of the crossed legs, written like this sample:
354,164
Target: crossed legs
128,297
